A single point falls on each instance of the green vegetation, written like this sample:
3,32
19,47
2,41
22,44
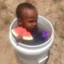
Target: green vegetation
3,6
62,9
62,36
7,20
55,1
55,26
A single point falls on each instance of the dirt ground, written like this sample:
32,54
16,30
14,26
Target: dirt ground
53,10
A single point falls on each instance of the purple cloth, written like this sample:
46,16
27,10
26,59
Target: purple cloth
45,34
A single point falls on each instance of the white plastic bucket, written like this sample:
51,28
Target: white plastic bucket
37,54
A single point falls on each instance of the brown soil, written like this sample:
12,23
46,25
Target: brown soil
51,9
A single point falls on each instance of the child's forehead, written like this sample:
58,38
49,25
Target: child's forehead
29,13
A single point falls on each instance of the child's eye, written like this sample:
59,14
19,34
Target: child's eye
30,21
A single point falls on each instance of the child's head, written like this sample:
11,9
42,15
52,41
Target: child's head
27,16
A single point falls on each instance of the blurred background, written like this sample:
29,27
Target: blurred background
53,10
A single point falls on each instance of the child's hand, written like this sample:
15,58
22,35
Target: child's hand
19,38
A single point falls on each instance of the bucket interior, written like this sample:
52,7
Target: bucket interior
43,24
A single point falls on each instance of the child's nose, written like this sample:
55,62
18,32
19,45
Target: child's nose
35,23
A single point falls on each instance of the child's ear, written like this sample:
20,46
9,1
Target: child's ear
19,22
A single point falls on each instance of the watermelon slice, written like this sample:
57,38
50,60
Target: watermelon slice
26,35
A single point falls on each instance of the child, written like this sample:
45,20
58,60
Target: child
27,18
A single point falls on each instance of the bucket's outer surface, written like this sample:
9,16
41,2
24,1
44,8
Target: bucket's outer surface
37,54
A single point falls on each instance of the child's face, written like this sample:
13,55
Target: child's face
29,19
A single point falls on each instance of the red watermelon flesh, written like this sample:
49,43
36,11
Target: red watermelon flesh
26,35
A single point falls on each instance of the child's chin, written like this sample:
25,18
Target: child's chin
32,29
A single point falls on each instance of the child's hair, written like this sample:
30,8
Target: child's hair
21,8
